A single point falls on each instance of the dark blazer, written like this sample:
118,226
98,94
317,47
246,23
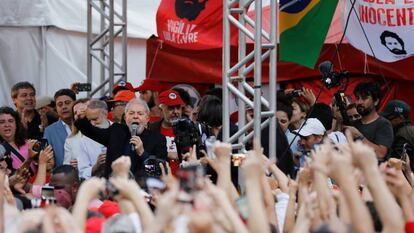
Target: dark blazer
116,138
156,126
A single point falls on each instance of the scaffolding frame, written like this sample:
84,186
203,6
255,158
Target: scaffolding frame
101,46
234,77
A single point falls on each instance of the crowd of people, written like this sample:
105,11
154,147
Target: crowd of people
151,160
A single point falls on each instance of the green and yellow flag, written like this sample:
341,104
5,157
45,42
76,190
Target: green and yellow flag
303,28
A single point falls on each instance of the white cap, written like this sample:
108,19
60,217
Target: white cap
312,126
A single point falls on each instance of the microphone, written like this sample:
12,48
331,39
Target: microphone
326,67
134,132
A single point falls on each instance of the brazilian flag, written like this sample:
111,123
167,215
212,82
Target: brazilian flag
303,28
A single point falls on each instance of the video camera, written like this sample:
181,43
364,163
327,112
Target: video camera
187,134
331,78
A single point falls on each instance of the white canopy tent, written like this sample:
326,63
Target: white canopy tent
44,42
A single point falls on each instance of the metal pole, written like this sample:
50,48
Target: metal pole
111,45
124,40
257,69
89,46
272,81
226,67
102,46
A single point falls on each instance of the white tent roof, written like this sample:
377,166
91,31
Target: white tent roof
71,15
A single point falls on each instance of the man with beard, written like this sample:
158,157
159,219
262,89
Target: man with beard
171,106
372,129
393,43
189,9
138,142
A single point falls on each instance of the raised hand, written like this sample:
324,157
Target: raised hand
363,156
45,155
121,166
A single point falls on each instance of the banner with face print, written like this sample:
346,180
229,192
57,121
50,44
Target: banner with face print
192,24
388,25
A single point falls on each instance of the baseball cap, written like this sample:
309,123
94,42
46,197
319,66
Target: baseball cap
43,101
122,85
170,98
123,95
312,126
94,225
149,84
109,208
396,108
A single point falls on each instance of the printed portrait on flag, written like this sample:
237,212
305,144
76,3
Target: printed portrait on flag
388,25
191,24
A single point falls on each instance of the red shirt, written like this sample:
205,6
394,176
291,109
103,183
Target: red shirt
171,147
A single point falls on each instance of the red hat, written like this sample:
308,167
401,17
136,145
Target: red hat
94,225
149,84
123,95
122,85
109,208
170,98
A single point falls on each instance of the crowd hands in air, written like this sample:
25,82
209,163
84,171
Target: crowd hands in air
331,186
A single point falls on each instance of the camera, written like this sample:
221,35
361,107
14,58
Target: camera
83,87
296,93
187,134
331,78
40,145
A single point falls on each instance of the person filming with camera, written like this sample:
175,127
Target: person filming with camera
132,139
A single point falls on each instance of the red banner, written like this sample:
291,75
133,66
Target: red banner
192,24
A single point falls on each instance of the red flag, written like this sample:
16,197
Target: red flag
192,24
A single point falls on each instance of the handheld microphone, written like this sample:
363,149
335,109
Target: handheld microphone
134,132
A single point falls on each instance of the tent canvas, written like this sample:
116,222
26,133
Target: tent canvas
173,65
44,42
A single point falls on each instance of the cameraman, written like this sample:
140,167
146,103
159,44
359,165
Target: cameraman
119,141
171,106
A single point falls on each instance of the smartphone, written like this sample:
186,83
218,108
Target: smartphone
191,178
83,87
209,147
48,192
40,145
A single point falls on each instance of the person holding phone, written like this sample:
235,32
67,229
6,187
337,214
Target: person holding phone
13,137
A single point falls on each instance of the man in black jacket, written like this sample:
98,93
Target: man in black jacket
119,141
